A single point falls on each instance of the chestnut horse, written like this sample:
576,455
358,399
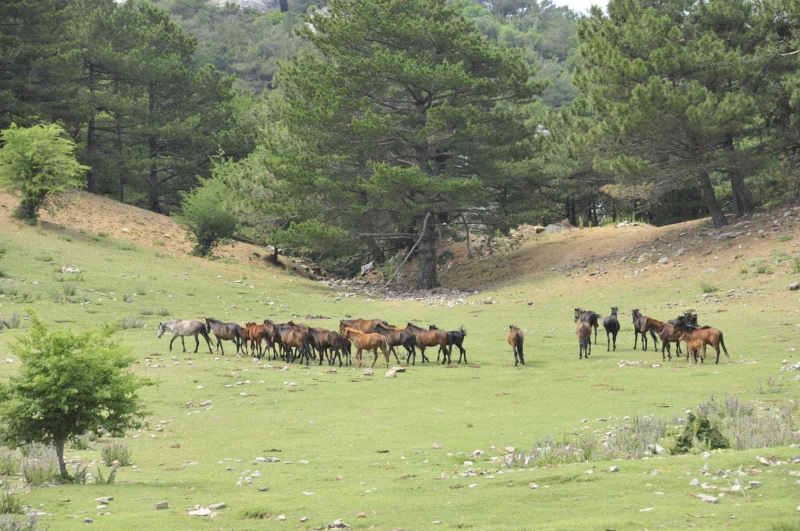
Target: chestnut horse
711,336
362,325
695,348
367,341
593,318
254,334
516,339
584,333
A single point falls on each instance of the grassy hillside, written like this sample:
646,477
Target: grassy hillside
351,444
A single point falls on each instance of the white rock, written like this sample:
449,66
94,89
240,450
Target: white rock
613,468
369,372
436,446
533,486
707,498
281,518
217,506
105,500
338,524
390,374
200,511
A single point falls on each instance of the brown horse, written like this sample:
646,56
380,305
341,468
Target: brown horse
227,332
274,339
593,318
326,343
670,334
254,335
398,337
367,341
711,336
362,325
516,339
695,348
584,333
638,322
428,338
295,337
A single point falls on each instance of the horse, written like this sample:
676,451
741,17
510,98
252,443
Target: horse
325,343
584,333
695,348
367,341
295,336
654,326
396,337
427,338
362,325
516,339
254,335
456,338
611,325
711,336
670,334
638,321
341,349
593,318
273,337
227,332
183,328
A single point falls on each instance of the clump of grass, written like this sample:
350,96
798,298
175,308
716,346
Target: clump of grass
103,480
780,256
9,502
796,265
10,522
130,323
141,291
43,258
256,513
785,237
9,461
145,312
82,442
163,312
70,290
127,297
12,321
116,453
39,464
125,246
771,386
746,425
708,288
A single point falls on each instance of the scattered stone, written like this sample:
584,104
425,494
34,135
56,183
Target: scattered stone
646,509
304,519
533,486
707,498
763,460
90,521
794,286
695,482
390,374
755,484
281,518
105,500
655,449
369,372
437,446
361,515
663,260
162,505
398,369
509,449
436,522
613,468
201,511
338,524
644,257
217,506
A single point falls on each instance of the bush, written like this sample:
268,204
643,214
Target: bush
39,464
129,323
708,288
116,453
12,523
12,321
204,214
699,433
39,404
37,161
9,461
9,503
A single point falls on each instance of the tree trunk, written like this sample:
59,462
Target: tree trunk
426,254
466,230
62,466
153,202
741,195
91,144
120,168
710,200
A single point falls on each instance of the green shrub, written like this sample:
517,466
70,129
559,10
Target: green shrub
130,323
9,461
116,453
256,513
39,464
9,503
82,442
708,288
699,433
204,214
9,522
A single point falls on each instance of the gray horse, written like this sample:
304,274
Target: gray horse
183,328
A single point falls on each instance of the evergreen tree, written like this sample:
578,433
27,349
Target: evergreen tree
394,118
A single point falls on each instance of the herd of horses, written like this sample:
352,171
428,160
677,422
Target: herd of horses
291,341
684,328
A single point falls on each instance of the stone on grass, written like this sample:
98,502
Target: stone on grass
105,500
707,498
217,506
613,468
437,446
338,524
304,519
369,372
88,521
162,505
201,511
281,518
361,515
794,286
390,374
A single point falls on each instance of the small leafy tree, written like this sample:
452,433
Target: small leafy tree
68,384
205,214
38,161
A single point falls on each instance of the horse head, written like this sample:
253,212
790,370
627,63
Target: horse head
636,315
614,310
161,329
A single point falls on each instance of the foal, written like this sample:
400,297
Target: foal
367,341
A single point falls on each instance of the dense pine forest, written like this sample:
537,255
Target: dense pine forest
357,130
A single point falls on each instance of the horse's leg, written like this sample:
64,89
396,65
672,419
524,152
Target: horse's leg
386,356
183,343
422,351
615,340
170,342
595,335
196,343
516,357
375,358
608,341
716,347
655,341
635,338
208,342
393,351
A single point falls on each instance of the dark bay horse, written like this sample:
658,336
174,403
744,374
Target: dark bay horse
611,325
638,323
183,328
226,332
399,337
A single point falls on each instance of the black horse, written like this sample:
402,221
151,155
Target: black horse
455,338
588,316
611,324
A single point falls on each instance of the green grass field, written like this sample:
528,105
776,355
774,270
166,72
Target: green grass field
351,444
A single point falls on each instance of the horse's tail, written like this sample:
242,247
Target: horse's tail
519,341
722,344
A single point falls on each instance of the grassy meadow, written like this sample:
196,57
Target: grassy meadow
366,449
